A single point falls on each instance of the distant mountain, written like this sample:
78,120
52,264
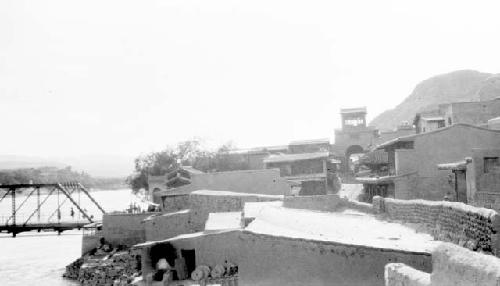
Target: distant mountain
463,85
109,166
20,162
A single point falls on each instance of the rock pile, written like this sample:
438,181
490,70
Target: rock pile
73,269
119,268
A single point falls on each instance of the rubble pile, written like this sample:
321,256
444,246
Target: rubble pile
119,268
465,225
73,269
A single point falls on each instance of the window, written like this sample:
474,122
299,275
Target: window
441,124
354,122
491,164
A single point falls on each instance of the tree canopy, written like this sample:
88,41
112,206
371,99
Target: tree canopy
187,153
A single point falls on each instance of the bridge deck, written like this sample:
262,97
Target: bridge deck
59,227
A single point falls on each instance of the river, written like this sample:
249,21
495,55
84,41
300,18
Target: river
39,258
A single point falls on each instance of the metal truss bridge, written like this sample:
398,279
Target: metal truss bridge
16,223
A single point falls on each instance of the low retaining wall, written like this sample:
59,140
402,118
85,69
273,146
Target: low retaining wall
452,266
472,227
399,274
319,203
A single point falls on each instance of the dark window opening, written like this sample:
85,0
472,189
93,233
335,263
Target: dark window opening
491,164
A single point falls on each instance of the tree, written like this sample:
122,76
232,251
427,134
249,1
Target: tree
185,153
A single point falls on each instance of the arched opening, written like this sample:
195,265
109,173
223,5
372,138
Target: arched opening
352,155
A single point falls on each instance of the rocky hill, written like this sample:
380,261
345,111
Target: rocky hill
463,85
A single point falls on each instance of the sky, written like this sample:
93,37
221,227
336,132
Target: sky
127,77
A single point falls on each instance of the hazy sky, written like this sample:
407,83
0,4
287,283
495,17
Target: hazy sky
125,77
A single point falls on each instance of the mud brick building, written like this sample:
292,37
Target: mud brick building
413,159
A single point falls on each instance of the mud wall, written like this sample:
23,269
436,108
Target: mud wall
123,228
452,266
399,274
458,266
201,205
266,181
272,260
329,203
168,225
174,203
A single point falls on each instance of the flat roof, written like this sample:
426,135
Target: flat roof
295,157
353,110
235,194
434,118
225,220
460,165
307,177
252,209
341,227
412,137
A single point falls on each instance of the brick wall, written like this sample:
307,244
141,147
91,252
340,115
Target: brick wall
472,227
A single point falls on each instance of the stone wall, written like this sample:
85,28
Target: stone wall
123,228
168,225
272,260
174,203
399,274
465,225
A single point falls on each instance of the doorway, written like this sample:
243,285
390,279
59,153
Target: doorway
190,258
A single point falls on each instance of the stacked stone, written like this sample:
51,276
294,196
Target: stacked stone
465,225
